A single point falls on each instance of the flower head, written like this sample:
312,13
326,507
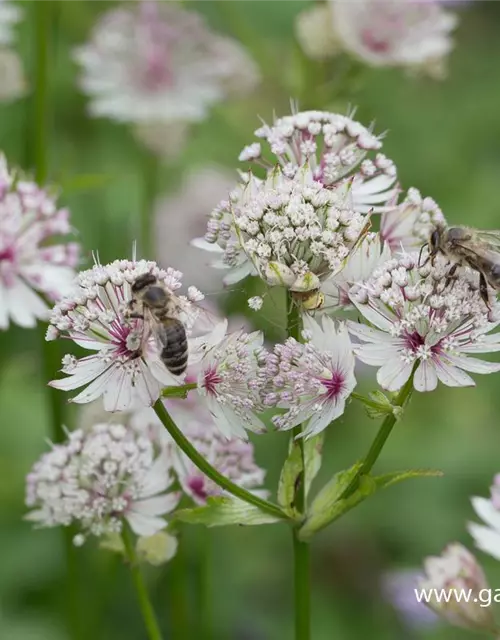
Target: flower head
409,224
426,321
405,33
233,458
314,32
228,383
125,367
31,265
313,380
12,80
457,571
101,477
157,62
487,536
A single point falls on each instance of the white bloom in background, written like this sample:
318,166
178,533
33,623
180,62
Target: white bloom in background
185,211
125,367
313,28
487,536
156,62
404,33
408,225
232,457
10,14
420,318
101,477
457,571
12,80
313,380
228,383
360,265
167,140
32,267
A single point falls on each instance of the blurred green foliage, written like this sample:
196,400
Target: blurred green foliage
445,139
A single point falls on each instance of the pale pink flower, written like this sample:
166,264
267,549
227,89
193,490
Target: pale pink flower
157,62
100,478
404,33
421,319
32,267
125,366
487,535
313,380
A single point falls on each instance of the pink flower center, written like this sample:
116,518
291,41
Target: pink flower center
119,334
211,380
7,255
413,341
197,486
373,42
334,385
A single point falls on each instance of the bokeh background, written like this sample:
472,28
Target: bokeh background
445,140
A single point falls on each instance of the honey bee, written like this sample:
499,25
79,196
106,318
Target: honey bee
151,298
465,246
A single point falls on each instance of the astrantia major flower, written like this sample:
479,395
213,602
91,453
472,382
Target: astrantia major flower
155,62
32,266
228,383
232,457
125,367
456,572
313,380
404,33
408,225
100,478
424,320
487,535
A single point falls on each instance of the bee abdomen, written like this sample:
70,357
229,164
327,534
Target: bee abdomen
175,354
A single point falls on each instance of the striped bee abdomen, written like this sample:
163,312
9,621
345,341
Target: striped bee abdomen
174,354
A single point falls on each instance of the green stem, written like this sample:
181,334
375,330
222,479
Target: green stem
380,439
301,550
148,614
205,586
212,473
179,392
177,576
150,172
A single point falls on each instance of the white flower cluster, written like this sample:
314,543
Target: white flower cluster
100,477
425,320
32,266
380,33
13,82
158,63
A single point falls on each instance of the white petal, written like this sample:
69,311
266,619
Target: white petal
95,389
474,365
488,344
158,478
320,421
376,354
24,305
144,525
485,538
119,392
198,347
239,273
201,243
4,315
368,334
158,505
393,374
451,376
374,316
487,512
75,381
425,376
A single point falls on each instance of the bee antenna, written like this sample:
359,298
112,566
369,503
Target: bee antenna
420,264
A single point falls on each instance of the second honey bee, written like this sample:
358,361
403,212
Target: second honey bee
151,298
465,246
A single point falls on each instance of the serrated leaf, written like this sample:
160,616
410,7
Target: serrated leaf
313,448
291,475
327,506
224,510
388,479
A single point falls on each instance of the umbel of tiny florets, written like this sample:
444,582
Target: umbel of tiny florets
125,367
425,321
32,267
100,478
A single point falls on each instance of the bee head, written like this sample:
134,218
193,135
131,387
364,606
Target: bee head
143,281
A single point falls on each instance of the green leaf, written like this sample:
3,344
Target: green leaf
224,510
388,479
292,473
378,405
327,506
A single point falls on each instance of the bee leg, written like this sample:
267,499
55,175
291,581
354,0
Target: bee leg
483,290
135,314
451,274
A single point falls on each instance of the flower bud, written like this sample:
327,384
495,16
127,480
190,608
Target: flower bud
157,549
278,274
457,577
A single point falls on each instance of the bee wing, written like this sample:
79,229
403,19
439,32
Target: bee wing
490,239
196,318
158,331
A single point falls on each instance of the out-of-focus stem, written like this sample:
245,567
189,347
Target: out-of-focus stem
178,588
148,614
205,586
151,166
